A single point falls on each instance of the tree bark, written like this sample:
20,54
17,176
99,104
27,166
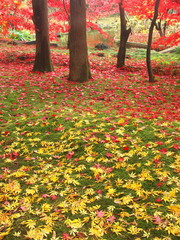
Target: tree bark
161,28
79,70
148,52
123,38
40,18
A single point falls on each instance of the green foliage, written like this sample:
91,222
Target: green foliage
177,51
21,35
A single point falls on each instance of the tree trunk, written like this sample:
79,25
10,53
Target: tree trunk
40,18
78,63
161,28
123,37
148,52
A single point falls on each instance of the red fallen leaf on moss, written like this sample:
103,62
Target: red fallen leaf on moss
76,159
108,170
156,161
53,197
99,191
23,208
6,133
66,236
12,155
45,195
56,157
120,159
111,219
177,138
126,148
97,177
100,214
69,155
157,219
25,169
159,184
163,150
59,129
109,155
158,200
176,146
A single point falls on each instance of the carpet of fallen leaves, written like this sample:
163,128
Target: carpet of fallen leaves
97,160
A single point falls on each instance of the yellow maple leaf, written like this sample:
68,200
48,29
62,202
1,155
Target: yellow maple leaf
5,233
117,228
5,219
30,223
126,199
145,175
175,230
78,206
175,209
119,182
134,230
17,234
76,223
12,187
46,230
133,185
97,231
34,234
46,207
124,214
120,131
30,191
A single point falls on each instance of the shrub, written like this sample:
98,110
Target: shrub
21,35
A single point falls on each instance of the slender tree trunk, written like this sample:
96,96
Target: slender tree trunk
148,52
68,17
40,18
78,63
161,28
123,37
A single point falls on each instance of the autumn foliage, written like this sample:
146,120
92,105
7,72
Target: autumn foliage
21,15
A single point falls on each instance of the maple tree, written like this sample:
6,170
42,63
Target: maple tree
123,36
168,15
78,63
40,18
148,54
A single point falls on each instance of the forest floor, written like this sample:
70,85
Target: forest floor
95,160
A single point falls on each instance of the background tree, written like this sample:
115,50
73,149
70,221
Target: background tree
123,37
169,12
148,53
40,19
79,70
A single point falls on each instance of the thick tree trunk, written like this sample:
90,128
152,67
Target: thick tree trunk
148,53
40,18
123,37
78,63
